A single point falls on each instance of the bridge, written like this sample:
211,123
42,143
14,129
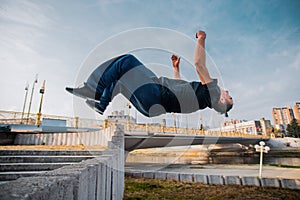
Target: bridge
136,136
138,141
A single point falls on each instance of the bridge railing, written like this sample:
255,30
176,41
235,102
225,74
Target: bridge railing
12,117
15,118
155,128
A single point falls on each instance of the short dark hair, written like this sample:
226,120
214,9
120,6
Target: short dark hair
228,107
223,108
215,94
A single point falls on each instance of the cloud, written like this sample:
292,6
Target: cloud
26,13
253,43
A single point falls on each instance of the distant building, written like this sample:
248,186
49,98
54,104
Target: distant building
253,127
120,117
266,126
282,116
297,111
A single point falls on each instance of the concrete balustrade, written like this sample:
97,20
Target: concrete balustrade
99,178
216,179
99,138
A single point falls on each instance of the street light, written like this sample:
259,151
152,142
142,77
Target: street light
262,149
128,119
30,102
175,126
25,99
42,91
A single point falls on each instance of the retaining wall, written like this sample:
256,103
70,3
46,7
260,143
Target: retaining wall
217,179
98,178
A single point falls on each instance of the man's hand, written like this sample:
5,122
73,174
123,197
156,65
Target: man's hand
200,35
200,58
176,61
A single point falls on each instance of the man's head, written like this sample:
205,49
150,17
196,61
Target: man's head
219,98
225,103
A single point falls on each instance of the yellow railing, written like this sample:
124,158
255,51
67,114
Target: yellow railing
15,118
11,117
150,128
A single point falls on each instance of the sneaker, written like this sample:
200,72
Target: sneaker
95,106
83,92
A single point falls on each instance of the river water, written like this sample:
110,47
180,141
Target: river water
201,157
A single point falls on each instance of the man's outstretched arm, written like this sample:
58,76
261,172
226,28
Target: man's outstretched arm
200,58
175,61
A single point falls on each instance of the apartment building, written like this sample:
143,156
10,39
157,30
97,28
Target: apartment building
282,116
296,110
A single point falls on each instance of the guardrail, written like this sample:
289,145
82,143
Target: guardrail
153,128
12,117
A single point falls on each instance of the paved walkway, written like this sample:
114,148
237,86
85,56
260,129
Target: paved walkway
225,170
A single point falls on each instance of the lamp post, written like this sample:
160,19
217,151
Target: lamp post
175,126
25,100
42,91
128,119
262,149
30,102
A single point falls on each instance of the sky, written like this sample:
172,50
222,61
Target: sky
253,46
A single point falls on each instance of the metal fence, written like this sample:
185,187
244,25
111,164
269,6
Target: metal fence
12,117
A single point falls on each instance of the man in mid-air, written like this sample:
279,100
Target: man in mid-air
151,95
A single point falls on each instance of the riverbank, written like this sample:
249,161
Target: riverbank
142,188
286,143
218,169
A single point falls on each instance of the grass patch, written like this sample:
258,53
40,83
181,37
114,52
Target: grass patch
285,166
141,188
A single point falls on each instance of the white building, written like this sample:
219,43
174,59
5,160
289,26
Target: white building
121,117
252,127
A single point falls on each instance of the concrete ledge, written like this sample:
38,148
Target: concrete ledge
84,173
148,175
51,188
216,179
290,183
51,152
137,174
270,182
254,181
10,176
160,175
87,138
98,178
199,178
232,180
173,176
30,166
186,177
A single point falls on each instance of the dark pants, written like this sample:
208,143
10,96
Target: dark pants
128,76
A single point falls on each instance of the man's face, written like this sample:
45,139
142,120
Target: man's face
225,97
